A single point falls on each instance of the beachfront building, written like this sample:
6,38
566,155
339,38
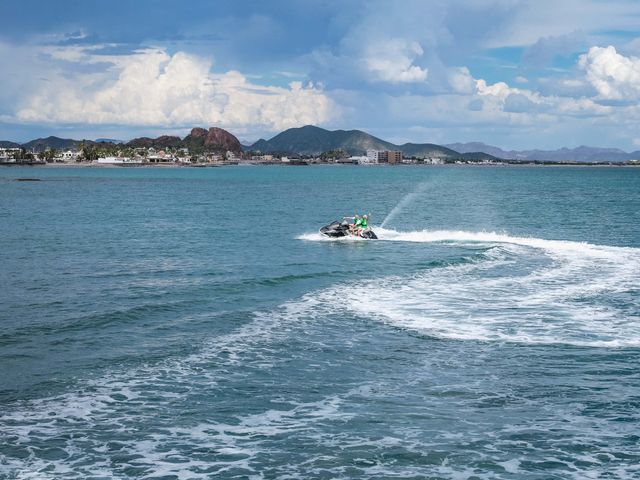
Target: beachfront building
384,156
360,159
394,156
119,161
434,161
375,156
161,157
69,156
10,154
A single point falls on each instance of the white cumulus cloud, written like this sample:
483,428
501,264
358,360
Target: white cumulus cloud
614,76
392,61
501,97
152,87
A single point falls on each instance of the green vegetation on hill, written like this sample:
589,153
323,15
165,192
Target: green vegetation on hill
311,140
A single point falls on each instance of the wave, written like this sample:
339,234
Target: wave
532,291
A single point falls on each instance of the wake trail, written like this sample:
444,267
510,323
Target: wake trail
524,290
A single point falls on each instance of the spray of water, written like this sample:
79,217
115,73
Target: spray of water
406,200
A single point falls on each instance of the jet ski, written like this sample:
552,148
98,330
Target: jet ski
339,229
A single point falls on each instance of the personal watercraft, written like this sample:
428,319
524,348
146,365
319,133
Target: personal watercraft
339,229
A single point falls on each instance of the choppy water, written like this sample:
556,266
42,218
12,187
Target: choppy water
190,323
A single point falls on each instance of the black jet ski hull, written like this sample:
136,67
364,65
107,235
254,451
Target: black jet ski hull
341,229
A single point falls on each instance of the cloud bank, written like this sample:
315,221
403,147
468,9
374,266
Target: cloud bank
154,88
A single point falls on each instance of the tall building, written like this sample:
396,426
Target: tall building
376,156
394,156
384,156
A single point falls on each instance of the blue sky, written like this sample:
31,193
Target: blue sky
517,74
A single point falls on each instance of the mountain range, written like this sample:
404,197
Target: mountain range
578,154
312,140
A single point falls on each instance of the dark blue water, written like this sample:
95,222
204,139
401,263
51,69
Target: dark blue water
191,323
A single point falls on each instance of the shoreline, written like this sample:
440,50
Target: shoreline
248,164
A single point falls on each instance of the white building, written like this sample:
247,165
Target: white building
360,159
118,161
69,156
373,156
9,154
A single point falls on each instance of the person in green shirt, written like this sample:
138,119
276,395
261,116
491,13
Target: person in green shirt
364,224
353,228
360,225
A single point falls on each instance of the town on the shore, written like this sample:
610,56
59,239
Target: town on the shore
183,157
296,146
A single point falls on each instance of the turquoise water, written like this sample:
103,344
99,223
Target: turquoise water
191,323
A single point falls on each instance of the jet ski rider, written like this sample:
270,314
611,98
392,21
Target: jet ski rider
364,225
353,228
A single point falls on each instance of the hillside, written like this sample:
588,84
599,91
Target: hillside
42,144
311,140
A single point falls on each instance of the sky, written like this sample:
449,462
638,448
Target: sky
512,73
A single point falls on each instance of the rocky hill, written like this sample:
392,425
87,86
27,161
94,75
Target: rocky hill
199,139
213,138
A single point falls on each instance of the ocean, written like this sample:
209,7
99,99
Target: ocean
176,323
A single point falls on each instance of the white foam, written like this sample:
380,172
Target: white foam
562,298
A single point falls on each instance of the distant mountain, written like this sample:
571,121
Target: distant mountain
581,154
482,147
8,144
42,144
578,154
163,141
311,140
426,150
108,140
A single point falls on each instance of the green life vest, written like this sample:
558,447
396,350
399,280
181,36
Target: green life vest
363,223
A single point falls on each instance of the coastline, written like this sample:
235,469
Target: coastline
313,164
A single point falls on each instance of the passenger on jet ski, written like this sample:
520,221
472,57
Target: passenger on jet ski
363,226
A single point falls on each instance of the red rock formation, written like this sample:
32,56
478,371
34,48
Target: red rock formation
214,138
217,137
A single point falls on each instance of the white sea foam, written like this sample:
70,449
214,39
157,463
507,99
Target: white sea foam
562,297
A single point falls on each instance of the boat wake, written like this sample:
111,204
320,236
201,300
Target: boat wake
525,290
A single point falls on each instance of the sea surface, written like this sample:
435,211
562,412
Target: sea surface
178,323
